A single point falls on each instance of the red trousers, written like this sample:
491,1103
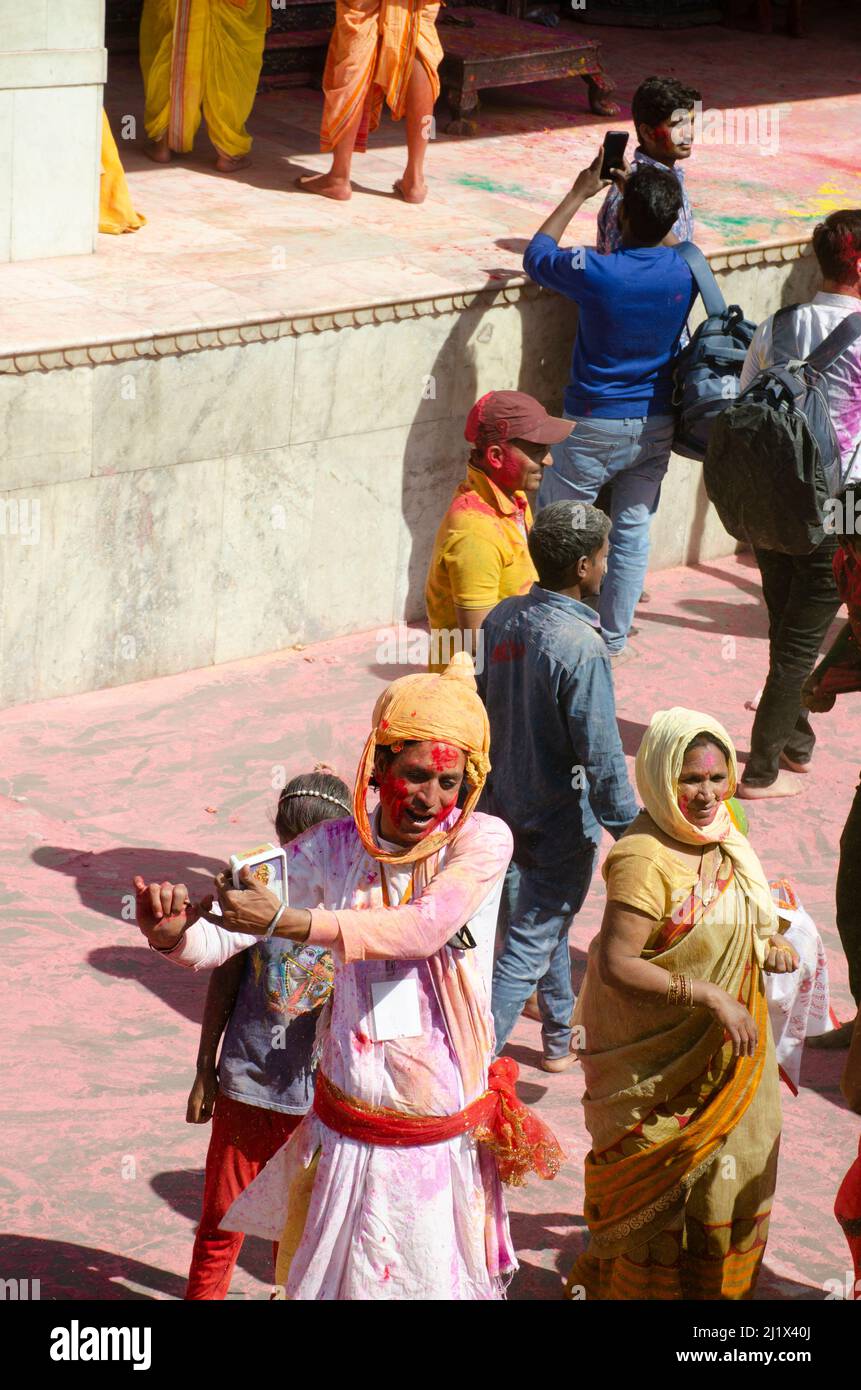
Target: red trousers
244,1138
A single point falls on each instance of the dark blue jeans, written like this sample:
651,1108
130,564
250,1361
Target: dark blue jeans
541,905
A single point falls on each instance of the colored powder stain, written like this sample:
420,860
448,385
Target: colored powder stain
444,757
386,1274
513,190
393,794
363,1042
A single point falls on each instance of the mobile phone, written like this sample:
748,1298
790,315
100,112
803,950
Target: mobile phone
614,151
268,865
462,940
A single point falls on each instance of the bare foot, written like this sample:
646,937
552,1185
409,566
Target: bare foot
231,164
830,1042
559,1063
326,185
785,784
793,766
158,151
410,192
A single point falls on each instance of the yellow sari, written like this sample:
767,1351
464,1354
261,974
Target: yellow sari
202,57
681,1176
116,211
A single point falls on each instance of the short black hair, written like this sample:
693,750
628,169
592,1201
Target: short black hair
313,797
651,201
837,245
657,98
561,535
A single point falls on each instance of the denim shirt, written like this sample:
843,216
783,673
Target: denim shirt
558,769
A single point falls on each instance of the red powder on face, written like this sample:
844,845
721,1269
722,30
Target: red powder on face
394,794
440,815
510,474
664,138
444,757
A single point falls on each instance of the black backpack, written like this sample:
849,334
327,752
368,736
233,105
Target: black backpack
773,458
708,368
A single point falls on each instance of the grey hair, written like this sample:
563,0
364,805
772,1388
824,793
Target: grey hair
562,534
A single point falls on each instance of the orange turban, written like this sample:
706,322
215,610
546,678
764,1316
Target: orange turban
444,708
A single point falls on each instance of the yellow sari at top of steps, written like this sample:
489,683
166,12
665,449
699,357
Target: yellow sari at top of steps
116,213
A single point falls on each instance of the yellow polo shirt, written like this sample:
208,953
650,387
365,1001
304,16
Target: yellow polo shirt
480,554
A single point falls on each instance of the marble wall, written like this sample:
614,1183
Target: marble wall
52,69
169,512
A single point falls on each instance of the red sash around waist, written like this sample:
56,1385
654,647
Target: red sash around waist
520,1141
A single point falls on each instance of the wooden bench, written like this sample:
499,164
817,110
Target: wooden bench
486,49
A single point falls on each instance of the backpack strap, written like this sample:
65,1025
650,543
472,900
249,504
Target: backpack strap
704,277
834,346
784,334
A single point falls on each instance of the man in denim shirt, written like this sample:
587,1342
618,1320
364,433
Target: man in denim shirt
559,771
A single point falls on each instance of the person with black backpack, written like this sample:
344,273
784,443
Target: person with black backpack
633,304
792,439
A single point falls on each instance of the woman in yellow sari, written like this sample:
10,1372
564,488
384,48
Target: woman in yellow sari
681,1098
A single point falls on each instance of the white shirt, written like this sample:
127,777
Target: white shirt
813,322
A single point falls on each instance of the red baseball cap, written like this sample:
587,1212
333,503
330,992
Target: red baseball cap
502,415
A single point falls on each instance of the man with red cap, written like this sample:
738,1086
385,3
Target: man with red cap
480,554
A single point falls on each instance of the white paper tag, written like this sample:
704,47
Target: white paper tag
396,1012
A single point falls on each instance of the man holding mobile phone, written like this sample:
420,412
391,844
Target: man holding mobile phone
633,307
662,110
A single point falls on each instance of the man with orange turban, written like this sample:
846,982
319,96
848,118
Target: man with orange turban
390,1187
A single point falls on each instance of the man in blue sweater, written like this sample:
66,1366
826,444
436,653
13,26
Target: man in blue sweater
633,305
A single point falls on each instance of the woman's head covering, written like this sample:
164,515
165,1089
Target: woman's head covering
658,768
444,708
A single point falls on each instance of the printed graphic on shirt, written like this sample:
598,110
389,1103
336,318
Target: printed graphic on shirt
295,980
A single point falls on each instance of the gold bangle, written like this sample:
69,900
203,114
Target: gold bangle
680,991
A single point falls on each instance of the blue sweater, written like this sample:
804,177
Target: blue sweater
633,307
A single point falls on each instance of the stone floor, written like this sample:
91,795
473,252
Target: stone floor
219,251
100,1176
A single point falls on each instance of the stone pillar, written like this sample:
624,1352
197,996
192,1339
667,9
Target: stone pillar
53,64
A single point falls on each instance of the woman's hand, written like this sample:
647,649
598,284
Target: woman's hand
165,911
735,1018
250,909
201,1097
782,958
